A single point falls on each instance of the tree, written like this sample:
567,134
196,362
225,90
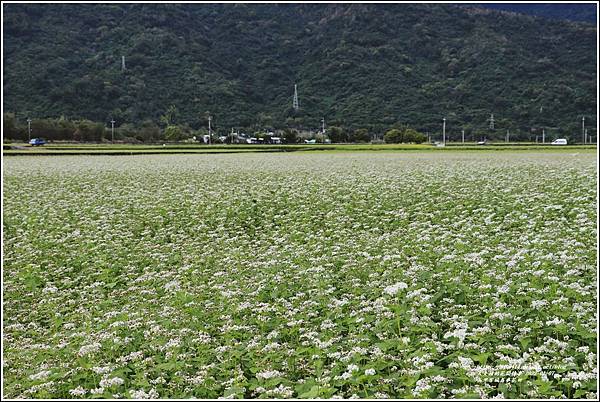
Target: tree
170,116
88,131
9,126
290,135
337,134
404,135
393,136
126,132
413,136
360,135
65,129
148,132
173,133
45,128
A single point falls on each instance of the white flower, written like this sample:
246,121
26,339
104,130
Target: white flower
79,391
555,321
141,394
395,288
503,289
101,370
42,375
110,382
281,391
89,349
97,391
268,374
345,375
370,371
352,367
172,286
50,289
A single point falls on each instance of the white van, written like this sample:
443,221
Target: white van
559,141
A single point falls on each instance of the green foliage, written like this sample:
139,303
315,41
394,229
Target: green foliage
404,135
290,136
393,136
258,276
412,136
352,64
337,134
148,132
9,127
360,135
86,130
126,132
173,133
170,116
55,129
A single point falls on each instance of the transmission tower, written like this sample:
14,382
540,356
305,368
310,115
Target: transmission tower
295,103
492,121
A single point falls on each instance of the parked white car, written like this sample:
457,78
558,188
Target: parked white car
560,141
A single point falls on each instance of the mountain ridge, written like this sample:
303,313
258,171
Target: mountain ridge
581,12
357,65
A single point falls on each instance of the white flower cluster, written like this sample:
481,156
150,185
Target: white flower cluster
392,290
265,375
141,394
42,375
89,349
111,382
323,271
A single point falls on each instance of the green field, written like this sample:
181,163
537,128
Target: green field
304,274
129,149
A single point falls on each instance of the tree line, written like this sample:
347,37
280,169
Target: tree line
62,129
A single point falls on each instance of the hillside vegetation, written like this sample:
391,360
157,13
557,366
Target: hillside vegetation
356,65
563,11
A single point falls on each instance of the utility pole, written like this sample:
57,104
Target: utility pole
209,135
29,128
444,132
463,136
543,136
295,101
112,131
122,63
583,128
323,122
587,139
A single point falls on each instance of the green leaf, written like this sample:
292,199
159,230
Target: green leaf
312,393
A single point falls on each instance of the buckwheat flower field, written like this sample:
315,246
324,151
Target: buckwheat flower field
331,275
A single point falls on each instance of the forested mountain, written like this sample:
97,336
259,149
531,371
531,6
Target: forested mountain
563,11
357,65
